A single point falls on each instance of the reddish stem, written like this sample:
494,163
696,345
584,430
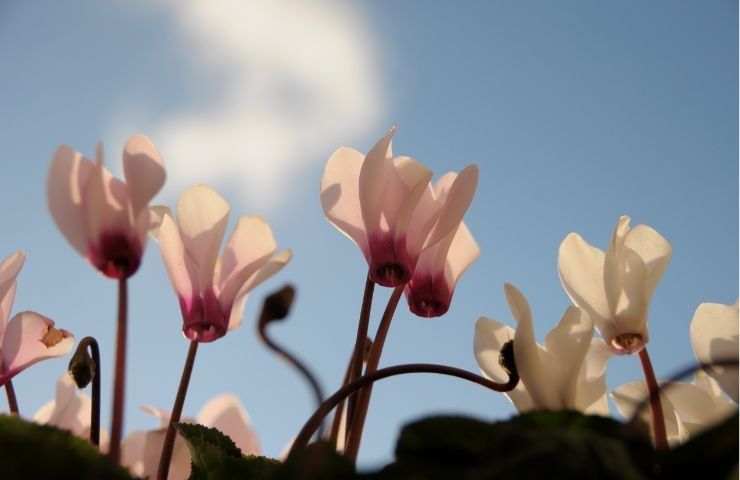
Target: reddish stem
119,385
12,400
356,361
656,409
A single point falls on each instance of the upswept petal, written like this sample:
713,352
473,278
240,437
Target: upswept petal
529,362
653,250
426,215
632,395
567,345
227,414
156,216
340,194
270,268
144,171
180,266
591,393
461,254
9,270
29,338
68,176
372,180
249,247
69,410
624,277
714,336
457,202
106,201
490,337
697,408
162,415
202,216
406,182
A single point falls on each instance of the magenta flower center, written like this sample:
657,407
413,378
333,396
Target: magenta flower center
116,254
203,318
428,296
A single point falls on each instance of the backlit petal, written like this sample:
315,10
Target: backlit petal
655,252
372,180
591,392
714,336
180,267
457,202
227,414
632,395
9,270
144,171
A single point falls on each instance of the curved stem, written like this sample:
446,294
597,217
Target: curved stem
312,424
356,362
95,410
656,408
336,422
169,439
357,421
119,382
318,394
12,400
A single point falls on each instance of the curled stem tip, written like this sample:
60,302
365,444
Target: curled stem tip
84,367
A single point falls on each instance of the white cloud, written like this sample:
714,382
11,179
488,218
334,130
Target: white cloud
295,79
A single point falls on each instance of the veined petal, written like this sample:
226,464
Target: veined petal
340,194
714,336
144,171
632,395
270,268
490,337
372,180
249,247
529,362
68,177
202,216
180,267
568,343
9,270
457,202
655,252
29,338
591,390
227,414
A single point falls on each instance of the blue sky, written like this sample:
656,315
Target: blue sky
574,115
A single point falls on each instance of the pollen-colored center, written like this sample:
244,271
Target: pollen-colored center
52,337
628,343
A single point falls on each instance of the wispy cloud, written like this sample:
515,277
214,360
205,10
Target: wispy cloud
294,79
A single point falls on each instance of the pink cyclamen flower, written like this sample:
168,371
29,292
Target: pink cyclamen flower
141,449
440,266
105,219
387,207
212,289
28,337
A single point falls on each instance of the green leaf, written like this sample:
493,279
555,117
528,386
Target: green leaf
29,450
318,460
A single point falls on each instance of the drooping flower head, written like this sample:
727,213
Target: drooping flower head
212,289
567,373
714,336
615,287
28,337
440,266
387,207
105,219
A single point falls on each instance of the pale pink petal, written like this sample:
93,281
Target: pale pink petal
340,195
159,413
372,181
180,267
144,171
68,176
228,415
490,337
106,202
591,391
156,216
202,216
132,452
249,247
29,338
69,410
529,360
404,188
632,395
457,201
426,214
9,270
461,254
714,336
568,344
149,462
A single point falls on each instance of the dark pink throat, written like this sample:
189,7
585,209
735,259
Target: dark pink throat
203,318
428,297
117,255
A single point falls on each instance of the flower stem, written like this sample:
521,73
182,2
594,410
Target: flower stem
95,410
12,400
368,379
357,421
656,409
169,439
119,382
356,361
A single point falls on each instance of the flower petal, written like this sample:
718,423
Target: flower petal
180,267
696,407
106,202
68,176
462,253
29,338
457,202
714,336
156,216
202,216
632,395
9,270
372,181
490,337
227,414
655,252
144,171
69,410
340,194
591,391
529,362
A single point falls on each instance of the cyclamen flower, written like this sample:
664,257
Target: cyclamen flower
70,410
567,373
105,219
141,449
28,337
615,287
714,336
440,266
212,289
387,207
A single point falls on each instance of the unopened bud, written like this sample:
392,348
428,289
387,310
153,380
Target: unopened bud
81,367
506,358
277,305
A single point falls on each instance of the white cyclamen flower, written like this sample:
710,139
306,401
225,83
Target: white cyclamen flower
714,336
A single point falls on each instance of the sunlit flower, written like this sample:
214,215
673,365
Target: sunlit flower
141,449
70,410
212,289
105,219
28,337
387,207
714,336
441,265
567,373
615,287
